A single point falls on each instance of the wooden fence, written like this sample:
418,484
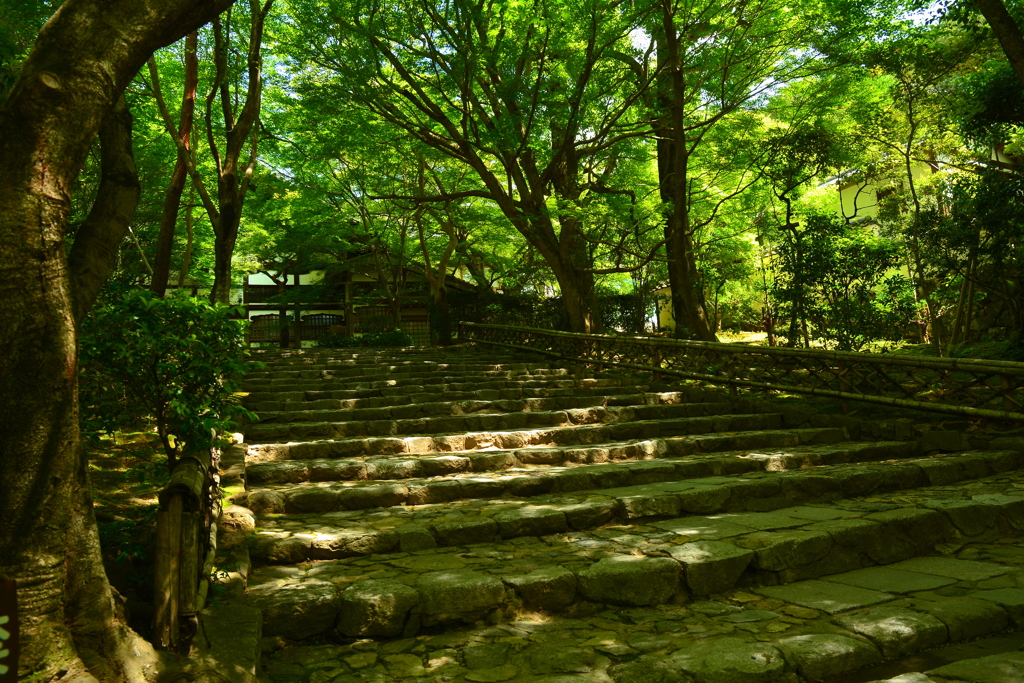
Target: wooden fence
185,548
957,386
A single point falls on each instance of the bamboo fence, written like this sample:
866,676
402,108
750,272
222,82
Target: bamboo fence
956,386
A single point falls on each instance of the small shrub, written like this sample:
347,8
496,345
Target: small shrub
392,338
175,361
372,339
331,340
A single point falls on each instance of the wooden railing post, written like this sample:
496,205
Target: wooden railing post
844,386
167,573
178,549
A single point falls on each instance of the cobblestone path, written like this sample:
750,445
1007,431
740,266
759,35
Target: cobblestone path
432,515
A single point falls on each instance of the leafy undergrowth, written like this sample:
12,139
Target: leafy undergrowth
126,475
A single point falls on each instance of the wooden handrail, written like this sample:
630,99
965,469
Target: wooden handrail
981,388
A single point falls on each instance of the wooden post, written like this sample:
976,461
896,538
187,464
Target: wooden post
1007,387
844,386
350,311
656,362
167,574
189,580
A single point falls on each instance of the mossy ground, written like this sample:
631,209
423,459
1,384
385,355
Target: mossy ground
127,472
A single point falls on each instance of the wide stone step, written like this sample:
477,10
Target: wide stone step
574,435
568,462
456,519
412,371
474,416
404,366
332,410
361,356
391,396
677,560
423,374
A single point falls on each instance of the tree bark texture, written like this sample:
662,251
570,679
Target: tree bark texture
176,187
95,249
82,61
1006,31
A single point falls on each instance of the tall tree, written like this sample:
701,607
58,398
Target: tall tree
234,160
48,538
712,61
176,187
528,95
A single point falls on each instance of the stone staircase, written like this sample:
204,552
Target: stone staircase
465,514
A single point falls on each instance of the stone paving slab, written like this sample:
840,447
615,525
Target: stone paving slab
773,558
574,468
891,580
1003,668
962,570
390,396
341,425
736,636
827,596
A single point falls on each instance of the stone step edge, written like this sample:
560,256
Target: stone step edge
649,468
551,436
476,422
628,505
577,458
698,568
335,383
385,369
254,400
424,377
445,408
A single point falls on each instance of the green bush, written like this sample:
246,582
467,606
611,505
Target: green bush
176,362
331,340
392,338
372,339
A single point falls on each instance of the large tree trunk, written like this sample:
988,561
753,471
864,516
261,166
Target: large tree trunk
577,288
84,57
673,161
172,198
1006,31
688,307
95,249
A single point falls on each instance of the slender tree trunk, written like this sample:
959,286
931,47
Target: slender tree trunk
176,187
186,258
70,627
234,174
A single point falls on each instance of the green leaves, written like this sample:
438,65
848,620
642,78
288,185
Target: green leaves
836,278
174,362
